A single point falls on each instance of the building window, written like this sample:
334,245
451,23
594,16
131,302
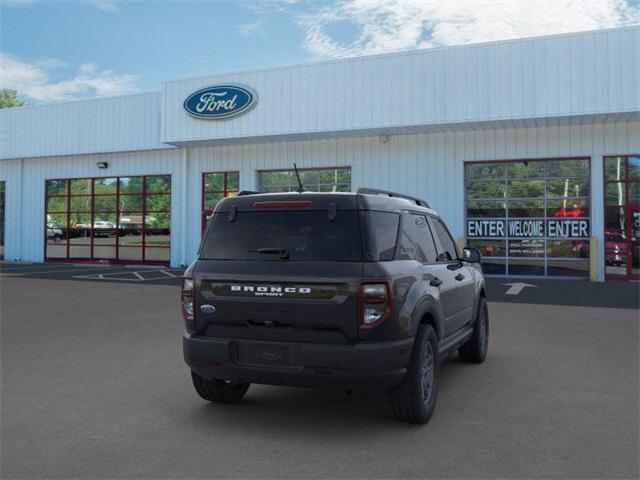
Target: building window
116,219
530,218
215,187
313,179
2,187
622,217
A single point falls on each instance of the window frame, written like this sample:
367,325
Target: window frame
627,210
226,192
291,172
546,177
144,247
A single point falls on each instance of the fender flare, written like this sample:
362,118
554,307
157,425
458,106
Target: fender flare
428,306
480,287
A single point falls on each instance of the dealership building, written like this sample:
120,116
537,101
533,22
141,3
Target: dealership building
528,148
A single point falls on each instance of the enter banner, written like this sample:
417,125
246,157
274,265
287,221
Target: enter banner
528,228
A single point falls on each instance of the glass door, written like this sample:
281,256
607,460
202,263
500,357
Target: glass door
530,217
622,217
117,219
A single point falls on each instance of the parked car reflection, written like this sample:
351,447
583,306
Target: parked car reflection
615,248
102,228
54,232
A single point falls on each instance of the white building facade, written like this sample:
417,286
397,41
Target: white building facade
529,149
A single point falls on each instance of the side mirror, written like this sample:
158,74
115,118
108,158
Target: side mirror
471,255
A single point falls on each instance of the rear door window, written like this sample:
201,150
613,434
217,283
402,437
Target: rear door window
304,235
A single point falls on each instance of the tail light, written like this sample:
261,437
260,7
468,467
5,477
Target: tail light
374,302
186,301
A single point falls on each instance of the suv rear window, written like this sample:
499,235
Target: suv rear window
304,235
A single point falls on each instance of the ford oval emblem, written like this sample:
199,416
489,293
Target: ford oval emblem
206,308
220,102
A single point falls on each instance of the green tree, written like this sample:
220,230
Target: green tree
8,98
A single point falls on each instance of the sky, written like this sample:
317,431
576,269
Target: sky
54,50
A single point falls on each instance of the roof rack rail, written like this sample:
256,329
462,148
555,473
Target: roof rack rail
242,193
376,191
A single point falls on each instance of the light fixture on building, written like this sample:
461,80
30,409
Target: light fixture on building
102,164
384,138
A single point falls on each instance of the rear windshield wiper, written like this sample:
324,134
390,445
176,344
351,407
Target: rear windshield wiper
283,252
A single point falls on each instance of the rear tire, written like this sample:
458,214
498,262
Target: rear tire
219,391
414,400
475,349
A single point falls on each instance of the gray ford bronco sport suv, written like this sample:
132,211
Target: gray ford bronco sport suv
353,291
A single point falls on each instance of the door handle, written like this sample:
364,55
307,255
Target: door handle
459,277
435,282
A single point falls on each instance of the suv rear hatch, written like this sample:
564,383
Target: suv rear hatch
281,267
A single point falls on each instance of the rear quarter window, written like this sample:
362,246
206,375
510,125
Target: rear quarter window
416,241
381,235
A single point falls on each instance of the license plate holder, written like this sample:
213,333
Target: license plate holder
265,354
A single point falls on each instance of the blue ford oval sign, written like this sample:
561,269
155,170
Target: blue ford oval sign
220,101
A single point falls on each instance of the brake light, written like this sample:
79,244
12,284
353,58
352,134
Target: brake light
186,301
374,302
283,204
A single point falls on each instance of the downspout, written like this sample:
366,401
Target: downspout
21,244
183,207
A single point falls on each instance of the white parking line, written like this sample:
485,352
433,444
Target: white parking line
139,277
152,279
37,272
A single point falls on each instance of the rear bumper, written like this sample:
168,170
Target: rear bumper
366,366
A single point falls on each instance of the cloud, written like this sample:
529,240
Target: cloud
34,80
264,11
104,5
390,25
87,68
50,63
269,7
252,29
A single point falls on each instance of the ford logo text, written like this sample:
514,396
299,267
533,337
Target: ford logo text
220,101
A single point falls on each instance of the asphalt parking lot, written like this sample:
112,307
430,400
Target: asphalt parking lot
91,272
94,386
